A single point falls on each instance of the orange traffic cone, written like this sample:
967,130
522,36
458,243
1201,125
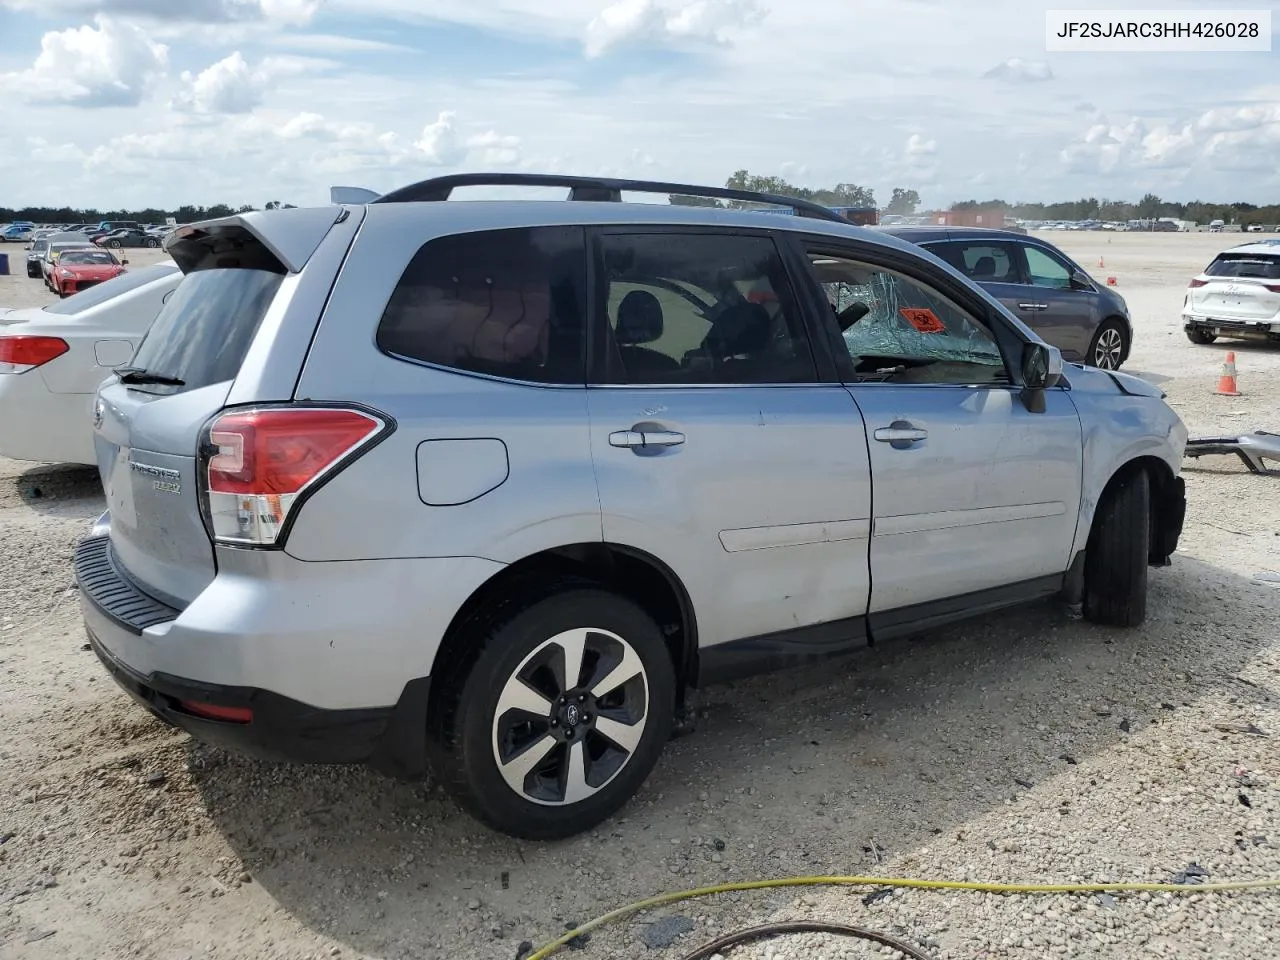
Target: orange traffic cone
1101,264
1227,382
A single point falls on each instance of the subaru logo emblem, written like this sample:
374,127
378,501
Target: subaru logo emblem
572,715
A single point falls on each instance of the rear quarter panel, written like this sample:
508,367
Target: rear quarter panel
374,508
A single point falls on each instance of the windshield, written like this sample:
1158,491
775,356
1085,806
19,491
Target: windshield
96,257
111,288
1258,266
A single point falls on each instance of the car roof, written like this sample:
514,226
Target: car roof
456,216
1269,247
924,234
294,233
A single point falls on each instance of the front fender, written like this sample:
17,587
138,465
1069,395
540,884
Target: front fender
1119,428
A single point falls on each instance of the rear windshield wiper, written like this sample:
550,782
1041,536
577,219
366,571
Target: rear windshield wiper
137,375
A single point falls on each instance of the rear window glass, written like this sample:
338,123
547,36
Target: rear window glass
111,288
1255,265
507,303
204,331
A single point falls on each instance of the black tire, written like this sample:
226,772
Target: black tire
1201,336
1115,563
153,243
1109,348
37,275
114,244
486,654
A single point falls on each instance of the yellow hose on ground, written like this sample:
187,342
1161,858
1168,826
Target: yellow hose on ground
663,899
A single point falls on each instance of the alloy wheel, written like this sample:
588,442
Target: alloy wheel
570,716
1109,349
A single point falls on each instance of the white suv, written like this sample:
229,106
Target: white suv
1237,296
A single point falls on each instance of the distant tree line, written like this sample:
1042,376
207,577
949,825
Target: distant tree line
906,201
187,214
1150,207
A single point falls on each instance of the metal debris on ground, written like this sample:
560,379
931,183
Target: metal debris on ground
1194,873
1253,448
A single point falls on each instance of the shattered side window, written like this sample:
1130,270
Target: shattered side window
899,330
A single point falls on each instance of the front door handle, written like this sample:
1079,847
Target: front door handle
1033,306
900,434
645,438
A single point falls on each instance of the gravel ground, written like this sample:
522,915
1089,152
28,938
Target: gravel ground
1021,747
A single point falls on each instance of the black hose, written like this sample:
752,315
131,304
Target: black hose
770,930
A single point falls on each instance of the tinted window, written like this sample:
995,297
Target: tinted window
899,330
204,331
984,262
1045,270
700,308
506,303
103,292
1256,265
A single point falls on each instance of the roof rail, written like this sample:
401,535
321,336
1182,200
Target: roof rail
595,188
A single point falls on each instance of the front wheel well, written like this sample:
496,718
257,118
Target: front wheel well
632,573
1165,509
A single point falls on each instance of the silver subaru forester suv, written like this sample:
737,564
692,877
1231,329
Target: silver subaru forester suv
487,487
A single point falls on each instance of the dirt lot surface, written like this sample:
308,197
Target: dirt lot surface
1025,746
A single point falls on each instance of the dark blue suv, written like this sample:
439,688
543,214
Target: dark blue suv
1043,287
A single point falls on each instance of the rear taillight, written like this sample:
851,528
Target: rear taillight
258,462
20,354
1273,287
1197,283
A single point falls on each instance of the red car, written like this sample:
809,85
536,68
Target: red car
79,269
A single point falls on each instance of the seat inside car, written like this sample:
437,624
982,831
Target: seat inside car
984,268
640,321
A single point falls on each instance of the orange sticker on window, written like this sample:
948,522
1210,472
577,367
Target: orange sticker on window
923,319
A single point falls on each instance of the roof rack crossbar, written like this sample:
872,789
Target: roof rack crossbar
596,188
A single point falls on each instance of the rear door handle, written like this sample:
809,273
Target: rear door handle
900,434
645,438
1033,306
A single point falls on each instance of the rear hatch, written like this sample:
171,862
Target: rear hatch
149,420
1239,285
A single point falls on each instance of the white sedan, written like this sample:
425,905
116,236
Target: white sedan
53,358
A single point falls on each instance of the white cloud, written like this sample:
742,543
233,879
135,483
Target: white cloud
440,143
335,43
229,86
233,86
289,12
1017,70
111,64
641,21
917,147
1223,138
40,149
492,149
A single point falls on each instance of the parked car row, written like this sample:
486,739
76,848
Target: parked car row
130,233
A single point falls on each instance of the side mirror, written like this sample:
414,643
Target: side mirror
1080,280
1041,369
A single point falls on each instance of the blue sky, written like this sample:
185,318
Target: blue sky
136,103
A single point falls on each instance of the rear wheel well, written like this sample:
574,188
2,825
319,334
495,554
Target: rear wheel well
637,575
1163,494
